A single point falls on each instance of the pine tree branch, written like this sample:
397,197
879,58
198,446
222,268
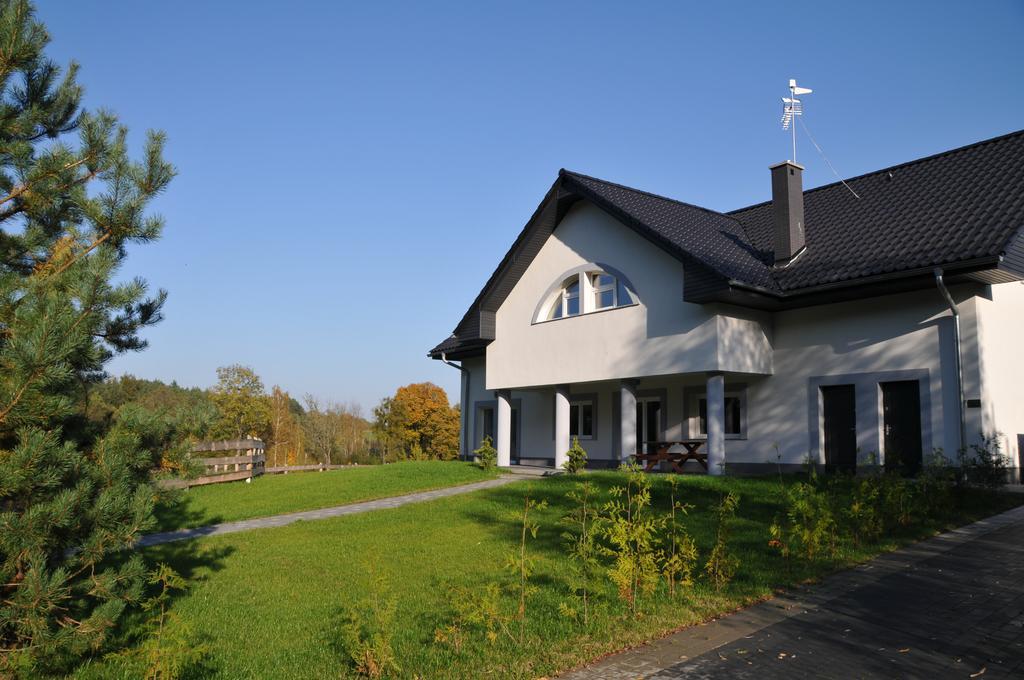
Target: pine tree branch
19,394
96,243
14,37
17,209
35,375
22,189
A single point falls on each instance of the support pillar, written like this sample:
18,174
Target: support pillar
561,425
627,417
503,428
716,423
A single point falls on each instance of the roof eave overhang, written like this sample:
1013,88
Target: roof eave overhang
981,270
466,350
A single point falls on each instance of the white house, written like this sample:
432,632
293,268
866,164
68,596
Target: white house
884,324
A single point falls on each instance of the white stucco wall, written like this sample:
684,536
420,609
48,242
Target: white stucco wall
906,336
1001,331
777,361
663,335
864,342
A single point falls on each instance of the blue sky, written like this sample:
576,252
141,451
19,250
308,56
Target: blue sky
351,173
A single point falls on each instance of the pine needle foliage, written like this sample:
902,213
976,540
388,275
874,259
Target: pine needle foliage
171,650
576,458
486,455
722,563
583,526
810,525
367,631
520,563
680,557
72,501
631,532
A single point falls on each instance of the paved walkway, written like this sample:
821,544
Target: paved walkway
323,513
948,607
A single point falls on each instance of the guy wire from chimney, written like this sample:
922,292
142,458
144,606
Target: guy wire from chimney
825,158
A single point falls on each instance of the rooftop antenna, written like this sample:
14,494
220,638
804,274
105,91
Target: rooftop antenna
792,107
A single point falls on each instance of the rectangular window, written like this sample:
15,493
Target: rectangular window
487,422
581,419
604,291
733,416
571,299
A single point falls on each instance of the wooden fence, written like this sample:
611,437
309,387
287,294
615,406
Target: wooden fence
251,463
224,469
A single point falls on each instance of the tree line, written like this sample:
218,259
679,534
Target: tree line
416,423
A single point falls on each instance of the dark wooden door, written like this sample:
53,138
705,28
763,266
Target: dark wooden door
840,411
901,422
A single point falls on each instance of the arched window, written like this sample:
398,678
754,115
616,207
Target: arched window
568,301
584,290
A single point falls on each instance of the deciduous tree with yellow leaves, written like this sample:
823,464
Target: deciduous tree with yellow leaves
418,422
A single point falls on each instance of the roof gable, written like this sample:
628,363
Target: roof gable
712,246
962,208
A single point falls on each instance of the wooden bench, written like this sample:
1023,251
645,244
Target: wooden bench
662,453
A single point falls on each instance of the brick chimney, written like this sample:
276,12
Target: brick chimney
788,209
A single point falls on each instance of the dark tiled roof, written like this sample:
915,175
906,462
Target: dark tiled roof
955,206
715,239
452,342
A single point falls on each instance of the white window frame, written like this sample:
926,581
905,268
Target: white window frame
587,294
579,424
604,288
566,296
694,412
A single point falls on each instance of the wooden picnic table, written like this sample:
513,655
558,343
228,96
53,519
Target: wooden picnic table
662,453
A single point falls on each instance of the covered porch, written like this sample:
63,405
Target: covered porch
677,423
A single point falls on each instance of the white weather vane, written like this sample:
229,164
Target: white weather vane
792,107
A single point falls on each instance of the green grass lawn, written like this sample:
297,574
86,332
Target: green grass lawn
276,494
268,602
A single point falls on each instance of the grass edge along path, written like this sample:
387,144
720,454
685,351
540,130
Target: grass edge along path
286,592
285,519
271,495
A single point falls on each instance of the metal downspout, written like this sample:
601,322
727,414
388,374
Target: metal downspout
956,348
463,413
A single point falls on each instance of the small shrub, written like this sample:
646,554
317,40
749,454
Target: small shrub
171,650
722,565
366,633
520,563
811,523
475,612
486,455
863,516
935,485
680,551
631,532
896,496
583,525
986,465
577,457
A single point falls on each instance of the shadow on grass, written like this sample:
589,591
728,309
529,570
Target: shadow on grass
178,510
193,561
761,499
